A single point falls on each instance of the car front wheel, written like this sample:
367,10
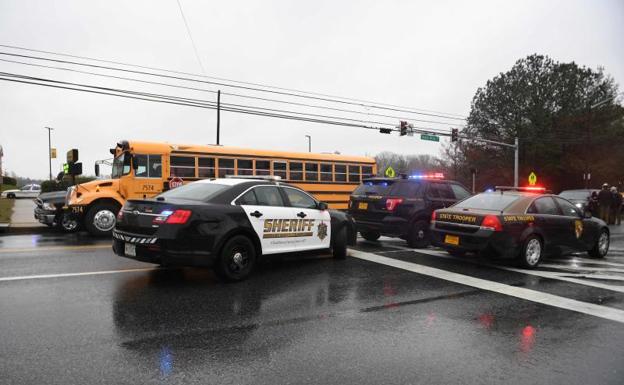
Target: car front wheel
601,248
339,244
68,223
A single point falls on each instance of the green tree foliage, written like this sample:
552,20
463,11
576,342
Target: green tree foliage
406,164
548,105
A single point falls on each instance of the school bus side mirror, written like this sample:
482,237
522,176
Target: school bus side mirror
97,170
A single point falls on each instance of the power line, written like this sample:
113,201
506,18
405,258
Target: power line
228,93
188,30
290,92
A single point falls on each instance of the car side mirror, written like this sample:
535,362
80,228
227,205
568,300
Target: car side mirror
97,170
587,214
322,206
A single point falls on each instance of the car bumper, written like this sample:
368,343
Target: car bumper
498,244
45,216
392,227
168,252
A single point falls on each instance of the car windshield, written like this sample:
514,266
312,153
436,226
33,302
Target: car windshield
574,194
373,187
121,165
488,201
195,191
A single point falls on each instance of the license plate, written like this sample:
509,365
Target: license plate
451,240
130,249
363,205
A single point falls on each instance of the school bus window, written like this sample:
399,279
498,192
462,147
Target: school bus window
263,167
354,174
148,166
367,171
183,166
245,167
226,167
326,172
296,171
206,167
311,171
279,169
340,171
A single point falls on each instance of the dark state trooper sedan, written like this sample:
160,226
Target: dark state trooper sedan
227,224
522,223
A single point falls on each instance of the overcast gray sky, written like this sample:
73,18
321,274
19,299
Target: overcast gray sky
424,54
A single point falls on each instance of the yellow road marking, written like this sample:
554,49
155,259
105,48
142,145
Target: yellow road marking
55,248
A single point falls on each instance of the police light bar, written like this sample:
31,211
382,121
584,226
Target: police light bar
535,189
435,175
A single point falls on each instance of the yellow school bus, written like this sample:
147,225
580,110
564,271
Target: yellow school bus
144,169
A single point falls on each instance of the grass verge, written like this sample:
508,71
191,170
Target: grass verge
6,209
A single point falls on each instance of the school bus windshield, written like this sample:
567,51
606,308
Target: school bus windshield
121,165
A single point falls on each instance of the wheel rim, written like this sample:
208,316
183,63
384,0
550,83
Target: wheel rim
603,243
420,234
104,220
68,223
533,252
239,260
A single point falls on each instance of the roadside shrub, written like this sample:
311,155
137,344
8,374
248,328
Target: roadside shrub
9,180
54,185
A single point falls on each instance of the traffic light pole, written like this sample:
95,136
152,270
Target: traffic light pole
50,150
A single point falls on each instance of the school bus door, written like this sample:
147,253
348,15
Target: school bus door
147,176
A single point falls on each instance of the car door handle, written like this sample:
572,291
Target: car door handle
302,215
256,214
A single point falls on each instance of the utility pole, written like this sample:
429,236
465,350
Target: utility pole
218,115
309,143
50,149
516,149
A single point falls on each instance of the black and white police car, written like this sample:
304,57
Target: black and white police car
227,224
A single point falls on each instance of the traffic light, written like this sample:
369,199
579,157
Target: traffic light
403,126
454,134
72,156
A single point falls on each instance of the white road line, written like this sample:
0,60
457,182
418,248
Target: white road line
580,269
513,291
543,274
43,276
587,260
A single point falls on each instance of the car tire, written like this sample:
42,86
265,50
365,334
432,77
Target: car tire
100,219
371,236
419,235
10,196
339,244
457,253
67,223
236,260
532,252
600,250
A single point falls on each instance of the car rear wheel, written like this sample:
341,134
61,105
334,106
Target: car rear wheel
532,250
339,244
10,196
370,235
419,236
601,248
237,259
101,218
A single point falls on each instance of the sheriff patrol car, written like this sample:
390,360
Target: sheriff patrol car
523,223
227,224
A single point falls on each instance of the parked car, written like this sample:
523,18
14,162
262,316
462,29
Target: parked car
28,191
580,198
51,211
402,207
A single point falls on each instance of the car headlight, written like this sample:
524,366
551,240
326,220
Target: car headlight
579,205
48,206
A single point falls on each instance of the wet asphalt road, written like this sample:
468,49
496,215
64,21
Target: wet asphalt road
73,313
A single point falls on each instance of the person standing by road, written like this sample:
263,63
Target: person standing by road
604,202
616,206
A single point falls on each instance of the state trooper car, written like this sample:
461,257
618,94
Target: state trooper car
523,223
227,224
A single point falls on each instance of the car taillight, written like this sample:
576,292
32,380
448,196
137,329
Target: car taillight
179,217
491,222
392,203
433,216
